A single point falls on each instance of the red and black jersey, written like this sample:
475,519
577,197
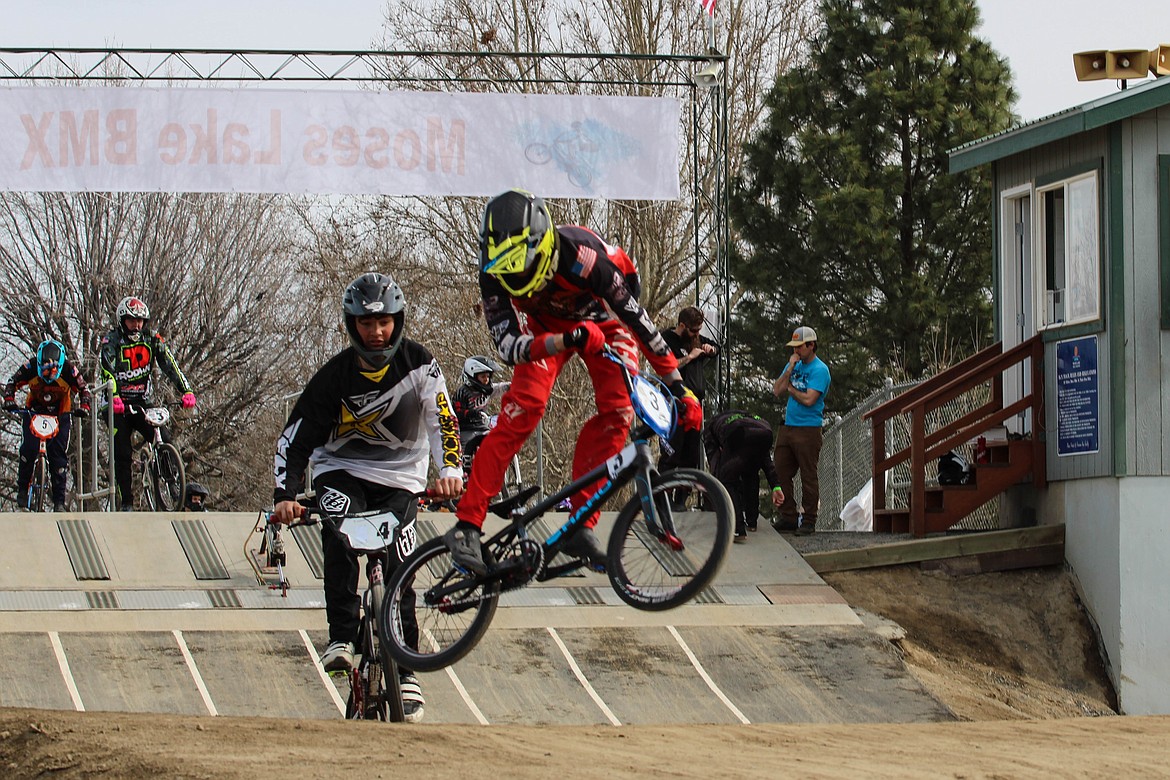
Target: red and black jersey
594,281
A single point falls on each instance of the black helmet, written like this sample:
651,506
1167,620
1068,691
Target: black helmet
195,489
517,242
133,307
374,293
478,364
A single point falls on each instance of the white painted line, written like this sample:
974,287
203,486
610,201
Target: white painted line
324,675
191,667
63,663
458,683
581,678
706,677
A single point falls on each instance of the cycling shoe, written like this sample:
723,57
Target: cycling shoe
464,542
412,698
584,544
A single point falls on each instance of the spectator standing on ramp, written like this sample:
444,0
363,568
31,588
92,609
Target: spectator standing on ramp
806,379
739,447
692,350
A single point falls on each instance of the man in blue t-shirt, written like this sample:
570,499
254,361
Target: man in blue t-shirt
798,444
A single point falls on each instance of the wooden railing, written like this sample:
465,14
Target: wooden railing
932,394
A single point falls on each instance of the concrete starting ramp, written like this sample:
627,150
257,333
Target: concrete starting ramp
138,612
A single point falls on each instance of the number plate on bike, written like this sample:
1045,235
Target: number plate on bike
157,416
652,407
369,533
44,426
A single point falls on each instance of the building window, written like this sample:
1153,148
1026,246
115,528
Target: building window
1070,245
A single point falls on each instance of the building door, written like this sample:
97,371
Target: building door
1017,297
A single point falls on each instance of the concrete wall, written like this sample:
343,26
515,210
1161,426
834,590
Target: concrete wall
1144,685
1108,522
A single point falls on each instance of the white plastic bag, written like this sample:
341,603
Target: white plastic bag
857,515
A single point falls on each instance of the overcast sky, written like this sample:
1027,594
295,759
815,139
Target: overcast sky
1037,36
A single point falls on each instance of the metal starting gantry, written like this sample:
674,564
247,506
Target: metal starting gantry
697,79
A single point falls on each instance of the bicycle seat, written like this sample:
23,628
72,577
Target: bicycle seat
505,508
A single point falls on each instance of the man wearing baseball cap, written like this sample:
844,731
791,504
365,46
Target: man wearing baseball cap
798,443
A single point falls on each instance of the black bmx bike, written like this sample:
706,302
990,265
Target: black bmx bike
163,476
375,690
659,555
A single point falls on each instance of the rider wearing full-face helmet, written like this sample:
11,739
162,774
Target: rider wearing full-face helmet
368,424
471,401
575,293
195,497
52,380
127,359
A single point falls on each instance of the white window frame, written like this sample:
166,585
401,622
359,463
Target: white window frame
1073,294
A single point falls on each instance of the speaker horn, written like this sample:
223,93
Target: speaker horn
1160,60
1090,65
1127,64
709,75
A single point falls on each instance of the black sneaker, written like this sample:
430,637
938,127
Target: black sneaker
583,544
412,698
807,528
58,506
465,542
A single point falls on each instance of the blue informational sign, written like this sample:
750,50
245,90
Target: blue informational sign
1078,409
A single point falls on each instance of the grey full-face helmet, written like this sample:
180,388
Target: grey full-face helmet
374,293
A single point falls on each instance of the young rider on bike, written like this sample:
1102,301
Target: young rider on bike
470,402
52,379
366,424
577,294
128,356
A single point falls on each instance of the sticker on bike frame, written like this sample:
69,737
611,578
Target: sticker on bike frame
620,461
44,426
651,406
369,533
157,416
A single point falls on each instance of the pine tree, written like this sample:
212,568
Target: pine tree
847,216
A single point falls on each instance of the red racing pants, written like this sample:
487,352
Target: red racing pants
523,406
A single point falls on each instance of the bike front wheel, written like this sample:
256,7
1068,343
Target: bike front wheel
38,486
167,480
653,570
453,609
391,692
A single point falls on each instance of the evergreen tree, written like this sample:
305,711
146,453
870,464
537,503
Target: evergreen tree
848,218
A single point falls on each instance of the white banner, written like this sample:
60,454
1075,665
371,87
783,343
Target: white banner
113,139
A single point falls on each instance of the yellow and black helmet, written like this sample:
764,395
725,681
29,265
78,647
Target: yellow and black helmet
517,242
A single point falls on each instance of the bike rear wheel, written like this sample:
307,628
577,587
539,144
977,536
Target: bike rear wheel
38,486
449,625
645,569
167,480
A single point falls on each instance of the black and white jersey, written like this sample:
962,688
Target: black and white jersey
380,426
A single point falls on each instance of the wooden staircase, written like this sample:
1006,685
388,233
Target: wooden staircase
1008,462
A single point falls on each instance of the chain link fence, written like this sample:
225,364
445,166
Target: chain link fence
847,458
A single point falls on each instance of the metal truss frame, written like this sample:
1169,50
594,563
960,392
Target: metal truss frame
643,73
